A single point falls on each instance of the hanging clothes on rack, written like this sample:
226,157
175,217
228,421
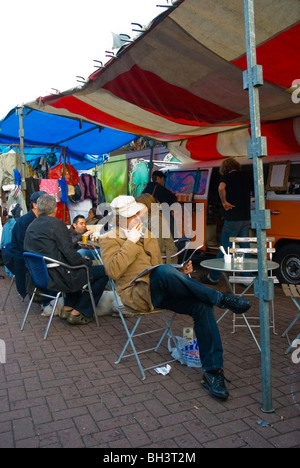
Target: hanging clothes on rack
16,196
32,185
8,162
100,192
50,186
88,187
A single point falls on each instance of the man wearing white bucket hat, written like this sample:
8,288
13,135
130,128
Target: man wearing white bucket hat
127,251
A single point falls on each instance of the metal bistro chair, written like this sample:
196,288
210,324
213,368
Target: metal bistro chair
126,313
248,280
292,291
38,266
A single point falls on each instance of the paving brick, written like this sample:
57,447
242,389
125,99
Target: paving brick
136,435
253,439
41,414
70,438
233,441
7,439
85,424
23,428
289,440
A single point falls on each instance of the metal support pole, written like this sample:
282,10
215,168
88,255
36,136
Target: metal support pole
150,165
260,219
21,136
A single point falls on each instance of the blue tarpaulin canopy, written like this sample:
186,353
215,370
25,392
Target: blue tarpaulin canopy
86,143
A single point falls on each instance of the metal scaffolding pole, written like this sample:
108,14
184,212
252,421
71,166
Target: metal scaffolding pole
260,219
21,136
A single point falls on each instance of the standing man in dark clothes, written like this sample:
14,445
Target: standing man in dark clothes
234,191
158,190
12,253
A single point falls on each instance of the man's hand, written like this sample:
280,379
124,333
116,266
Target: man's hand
222,193
228,206
188,268
135,233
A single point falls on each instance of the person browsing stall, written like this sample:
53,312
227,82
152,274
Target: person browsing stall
162,194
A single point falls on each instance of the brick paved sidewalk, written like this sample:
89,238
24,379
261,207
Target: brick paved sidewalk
67,391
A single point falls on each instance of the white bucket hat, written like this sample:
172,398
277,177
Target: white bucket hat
125,206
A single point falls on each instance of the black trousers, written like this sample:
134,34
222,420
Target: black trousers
80,300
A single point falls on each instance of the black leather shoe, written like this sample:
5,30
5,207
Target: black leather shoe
215,384
238,305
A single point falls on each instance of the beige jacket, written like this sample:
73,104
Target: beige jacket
124,260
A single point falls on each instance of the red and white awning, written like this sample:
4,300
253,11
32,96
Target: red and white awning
182,79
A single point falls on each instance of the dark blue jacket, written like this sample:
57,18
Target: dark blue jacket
12,253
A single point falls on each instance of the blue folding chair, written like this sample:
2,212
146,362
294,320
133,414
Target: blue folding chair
38,266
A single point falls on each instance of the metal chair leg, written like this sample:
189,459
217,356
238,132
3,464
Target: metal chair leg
51,315
131,334
93,304
27,310
8,292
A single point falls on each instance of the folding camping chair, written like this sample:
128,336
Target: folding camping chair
38,266
292,291
126,313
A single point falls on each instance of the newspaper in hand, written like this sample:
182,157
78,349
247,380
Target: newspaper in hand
174,265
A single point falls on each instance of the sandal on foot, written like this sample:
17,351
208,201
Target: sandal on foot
64,314
79,319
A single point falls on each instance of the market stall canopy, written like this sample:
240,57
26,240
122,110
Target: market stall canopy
183,78
86,143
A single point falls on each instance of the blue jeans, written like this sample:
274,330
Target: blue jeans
175,291
231,229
